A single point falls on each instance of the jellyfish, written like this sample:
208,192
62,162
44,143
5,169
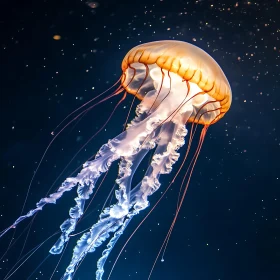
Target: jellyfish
177,84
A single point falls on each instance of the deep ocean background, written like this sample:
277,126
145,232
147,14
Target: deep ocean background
229,226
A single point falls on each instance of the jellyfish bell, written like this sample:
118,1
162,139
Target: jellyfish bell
177,84
183,62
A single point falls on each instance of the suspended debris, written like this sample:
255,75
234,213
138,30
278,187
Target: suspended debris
57,37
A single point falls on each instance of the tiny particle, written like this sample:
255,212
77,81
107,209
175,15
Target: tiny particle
57,37
92,5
